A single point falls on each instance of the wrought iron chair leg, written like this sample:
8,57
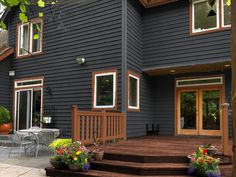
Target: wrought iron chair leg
10,149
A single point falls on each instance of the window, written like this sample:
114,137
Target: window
200,82
28,83
104,89
30,38
226,19
133,91
207,18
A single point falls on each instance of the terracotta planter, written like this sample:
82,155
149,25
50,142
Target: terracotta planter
5,128
98,156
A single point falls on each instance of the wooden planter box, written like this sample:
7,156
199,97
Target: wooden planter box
52,172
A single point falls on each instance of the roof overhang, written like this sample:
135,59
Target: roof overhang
6,52
152,3
155,71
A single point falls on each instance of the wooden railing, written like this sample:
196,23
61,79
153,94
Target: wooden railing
90,126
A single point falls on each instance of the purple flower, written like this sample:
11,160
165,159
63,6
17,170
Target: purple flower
214,174
191,170
86,167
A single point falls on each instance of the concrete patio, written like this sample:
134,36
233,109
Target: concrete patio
26,166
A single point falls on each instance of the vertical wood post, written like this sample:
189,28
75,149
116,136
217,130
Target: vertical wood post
233,65
123,126
74,122
225,127
104,126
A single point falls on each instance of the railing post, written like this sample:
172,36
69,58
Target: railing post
225,134
74,122
123,124
104,127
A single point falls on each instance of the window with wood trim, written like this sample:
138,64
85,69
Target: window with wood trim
133,91
29,38
208,16
104,89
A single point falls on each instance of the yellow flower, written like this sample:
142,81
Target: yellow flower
78,152
86,160
75,159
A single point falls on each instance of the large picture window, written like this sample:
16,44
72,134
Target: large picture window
30,38
209,17
133,91
104,89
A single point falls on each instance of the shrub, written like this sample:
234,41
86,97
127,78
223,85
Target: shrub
59,143
4,115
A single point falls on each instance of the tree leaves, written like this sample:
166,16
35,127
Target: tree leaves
23,18
40,14
2,25
41,3
228,2
36,36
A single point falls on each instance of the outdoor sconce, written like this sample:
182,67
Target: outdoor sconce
212,12
80,61
12,73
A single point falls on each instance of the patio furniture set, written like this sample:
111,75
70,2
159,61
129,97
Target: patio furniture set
30,139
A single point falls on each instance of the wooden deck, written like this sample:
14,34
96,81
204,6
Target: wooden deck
162,145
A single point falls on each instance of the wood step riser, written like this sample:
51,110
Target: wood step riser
166,171
146,159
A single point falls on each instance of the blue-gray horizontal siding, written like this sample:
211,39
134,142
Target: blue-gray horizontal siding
136,121
165,99
167,41
4,83
90,29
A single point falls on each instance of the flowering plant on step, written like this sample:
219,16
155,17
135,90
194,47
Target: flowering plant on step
202,164
76,156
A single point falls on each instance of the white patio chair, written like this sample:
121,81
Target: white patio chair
44,138
23,141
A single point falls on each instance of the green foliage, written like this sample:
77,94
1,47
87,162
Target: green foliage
8,4
4,115
60,143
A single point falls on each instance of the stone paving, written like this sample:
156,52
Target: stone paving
26,166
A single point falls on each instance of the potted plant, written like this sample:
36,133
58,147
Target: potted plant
5,120
211,150
98,151
59,147
76,157
203,165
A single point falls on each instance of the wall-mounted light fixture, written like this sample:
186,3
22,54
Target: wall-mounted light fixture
212,12
80,61
12,73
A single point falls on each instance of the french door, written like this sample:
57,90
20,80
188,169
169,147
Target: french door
198,111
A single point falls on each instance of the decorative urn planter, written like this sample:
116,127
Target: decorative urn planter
74,167
98,156
5,128
57,164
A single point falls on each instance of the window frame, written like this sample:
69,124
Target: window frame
220,18
193,19
94,89
30,38
135,76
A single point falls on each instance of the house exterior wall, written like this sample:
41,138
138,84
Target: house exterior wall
136,121
89,29
4,83
167,41
165,99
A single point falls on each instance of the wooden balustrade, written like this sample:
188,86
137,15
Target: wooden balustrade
90,126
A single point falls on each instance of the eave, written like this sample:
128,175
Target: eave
153,3
5,53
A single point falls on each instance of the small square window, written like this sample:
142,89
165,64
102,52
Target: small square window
133,91
104,90
200,16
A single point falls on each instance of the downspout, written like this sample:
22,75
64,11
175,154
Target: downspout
124,59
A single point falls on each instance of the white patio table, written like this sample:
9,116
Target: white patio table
36,130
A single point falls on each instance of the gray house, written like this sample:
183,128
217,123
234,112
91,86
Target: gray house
160,62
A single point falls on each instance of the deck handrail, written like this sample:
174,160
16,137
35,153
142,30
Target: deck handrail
90,126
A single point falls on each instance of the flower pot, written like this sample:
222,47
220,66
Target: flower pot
86,167
57,164
74,167
212,150
5,128
98,156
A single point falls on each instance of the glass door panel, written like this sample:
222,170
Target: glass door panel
210,114
37,102
23,109
188,112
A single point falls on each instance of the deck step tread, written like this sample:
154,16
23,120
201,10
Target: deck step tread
142,165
